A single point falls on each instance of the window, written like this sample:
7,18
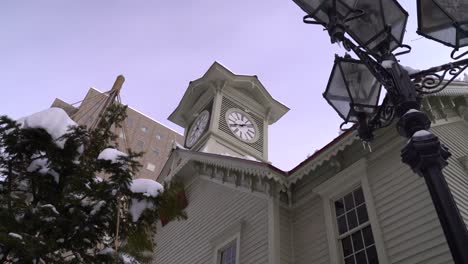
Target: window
227,255
159,136
156,151
150,166
226,244
144,129
354,230
140,144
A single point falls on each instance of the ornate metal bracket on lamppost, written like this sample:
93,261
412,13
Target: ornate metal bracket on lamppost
377,28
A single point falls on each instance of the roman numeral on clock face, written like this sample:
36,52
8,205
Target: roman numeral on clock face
241,125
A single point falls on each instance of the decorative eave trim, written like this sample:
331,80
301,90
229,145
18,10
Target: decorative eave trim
323,155
181,157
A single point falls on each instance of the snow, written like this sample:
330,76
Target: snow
147,187
247,157
387,64
127,259
51,207
60,240
15,235
54,120
41,165
111,154
2,178
412,111
97,207
410,70
421,133
137,207
106,251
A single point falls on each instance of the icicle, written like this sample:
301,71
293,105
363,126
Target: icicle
366,145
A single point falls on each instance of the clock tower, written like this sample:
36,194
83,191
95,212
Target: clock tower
227,114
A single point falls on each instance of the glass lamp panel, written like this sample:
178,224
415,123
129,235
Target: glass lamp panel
336,93
437,20
363,87
369,30
319,9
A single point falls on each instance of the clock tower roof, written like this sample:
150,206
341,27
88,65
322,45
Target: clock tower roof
217,78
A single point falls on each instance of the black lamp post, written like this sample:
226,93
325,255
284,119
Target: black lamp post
377,26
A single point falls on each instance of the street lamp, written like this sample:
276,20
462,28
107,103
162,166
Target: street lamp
377,28
444,21
353,91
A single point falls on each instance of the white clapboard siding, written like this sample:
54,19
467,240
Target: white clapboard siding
286,256
409,225
309,233
455,137
212,210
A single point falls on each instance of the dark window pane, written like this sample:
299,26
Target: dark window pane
349,260
362,214
352,219
361,257
368,237
347,248
372,255
339,207
357,241
349,202
358,196
342,224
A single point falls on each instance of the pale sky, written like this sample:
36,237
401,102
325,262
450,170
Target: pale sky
60,48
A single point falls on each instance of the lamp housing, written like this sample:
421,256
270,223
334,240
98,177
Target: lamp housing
444,21
376,25
352,90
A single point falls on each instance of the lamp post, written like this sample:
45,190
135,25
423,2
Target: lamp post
377,28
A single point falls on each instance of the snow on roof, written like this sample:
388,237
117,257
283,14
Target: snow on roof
111,154
54,120
147,187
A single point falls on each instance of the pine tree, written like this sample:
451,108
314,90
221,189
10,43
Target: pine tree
54,208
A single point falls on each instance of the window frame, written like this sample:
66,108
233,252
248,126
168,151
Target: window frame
226,246
232,234
149,164
337,187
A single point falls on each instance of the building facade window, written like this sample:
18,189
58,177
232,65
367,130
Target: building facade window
159,136
156,151
144,129
150,167
140,144
354,230
226,244
228,254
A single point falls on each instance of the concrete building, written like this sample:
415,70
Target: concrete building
141,132
342,205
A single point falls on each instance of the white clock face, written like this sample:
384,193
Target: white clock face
197,128
241,125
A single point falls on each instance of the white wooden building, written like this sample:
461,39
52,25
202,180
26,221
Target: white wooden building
343,204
